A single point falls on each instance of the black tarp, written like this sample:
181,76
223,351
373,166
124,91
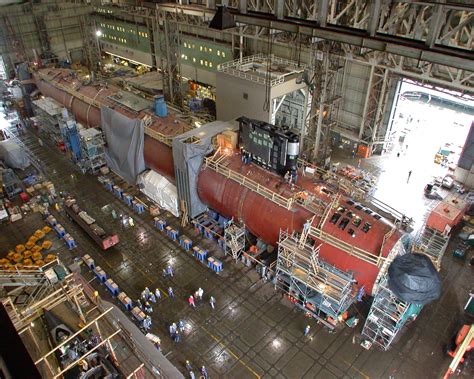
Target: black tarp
414,279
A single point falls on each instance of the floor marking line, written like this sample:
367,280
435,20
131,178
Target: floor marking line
231,352
356,369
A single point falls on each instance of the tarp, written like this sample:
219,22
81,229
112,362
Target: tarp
125,139
188,158
414,279
14,155
160,190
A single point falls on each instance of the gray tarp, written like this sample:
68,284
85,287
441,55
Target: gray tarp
14,155
188,158
414,279
125,138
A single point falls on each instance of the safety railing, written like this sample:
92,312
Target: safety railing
346,247
158,136
234,68
276,198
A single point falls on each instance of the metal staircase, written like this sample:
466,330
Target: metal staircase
387,316
234,236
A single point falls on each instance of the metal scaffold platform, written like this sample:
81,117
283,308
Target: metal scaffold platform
320,289
431,243
92,149
387,316
234,236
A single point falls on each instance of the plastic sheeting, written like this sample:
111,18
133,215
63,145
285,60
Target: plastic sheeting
14,155
188,158
125,140
160,190
414,279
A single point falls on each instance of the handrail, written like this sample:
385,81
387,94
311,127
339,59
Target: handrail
148,131
250,184
346,247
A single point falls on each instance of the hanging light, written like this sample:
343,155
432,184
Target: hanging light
98,33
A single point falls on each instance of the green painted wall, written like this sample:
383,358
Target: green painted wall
124,33
195,52
204,54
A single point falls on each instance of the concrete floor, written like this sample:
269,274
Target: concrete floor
253,332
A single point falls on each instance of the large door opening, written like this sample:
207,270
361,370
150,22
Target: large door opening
428,130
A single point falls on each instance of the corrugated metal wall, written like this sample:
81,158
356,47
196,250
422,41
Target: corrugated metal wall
354,92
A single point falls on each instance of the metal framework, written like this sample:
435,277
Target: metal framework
315,286
234,236
387,316
431,243
170,66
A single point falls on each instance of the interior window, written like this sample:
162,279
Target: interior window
368,211
350,214
351,232
335,217
350,202
376,216
359,207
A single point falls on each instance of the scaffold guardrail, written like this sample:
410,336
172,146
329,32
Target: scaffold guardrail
346,247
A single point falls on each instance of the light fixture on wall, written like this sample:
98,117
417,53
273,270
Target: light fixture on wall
98,33
223,19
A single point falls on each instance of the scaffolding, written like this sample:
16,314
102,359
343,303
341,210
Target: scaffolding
320,289
431,243
234,236
92,150
31,290
387,316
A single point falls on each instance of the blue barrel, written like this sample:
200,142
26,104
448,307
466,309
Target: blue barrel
160,106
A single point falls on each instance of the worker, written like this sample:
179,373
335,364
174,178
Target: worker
176,337
114,214
204,372
158,294
170,292
191,301
306,330
172,331
189,366
191,375
409,174
169,270
212,301
131,222
147,292
148,307
139,304
200,293
353,154
147,323
360,294
84,365
152,297
181,325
